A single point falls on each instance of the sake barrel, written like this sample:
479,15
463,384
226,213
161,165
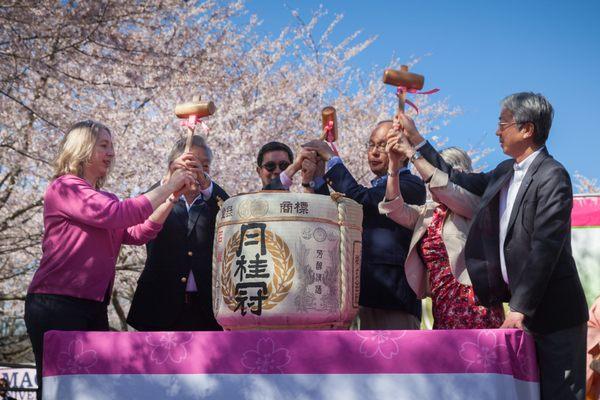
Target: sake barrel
287,261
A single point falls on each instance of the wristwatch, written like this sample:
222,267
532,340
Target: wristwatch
310,184
417,154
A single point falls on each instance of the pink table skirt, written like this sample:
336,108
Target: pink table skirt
491,364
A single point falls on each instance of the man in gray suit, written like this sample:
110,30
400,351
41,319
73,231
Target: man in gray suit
519,245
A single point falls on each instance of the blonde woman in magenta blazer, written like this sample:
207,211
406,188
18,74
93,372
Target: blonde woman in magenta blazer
435,262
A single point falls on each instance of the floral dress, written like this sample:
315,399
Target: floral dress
454,304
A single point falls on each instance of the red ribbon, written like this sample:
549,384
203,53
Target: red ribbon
402,89
329,137
192,121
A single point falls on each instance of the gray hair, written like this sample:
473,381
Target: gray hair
457,158
197,141
534,108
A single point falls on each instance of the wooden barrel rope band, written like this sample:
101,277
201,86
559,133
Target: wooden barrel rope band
289,219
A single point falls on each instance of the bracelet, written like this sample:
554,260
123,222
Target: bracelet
385,199
393,173
171,199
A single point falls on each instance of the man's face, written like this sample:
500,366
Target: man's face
274,162
511,137
378,158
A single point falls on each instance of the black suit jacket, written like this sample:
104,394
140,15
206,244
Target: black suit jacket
543,280
383,282
181,245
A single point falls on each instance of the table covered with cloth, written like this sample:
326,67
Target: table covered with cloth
448,364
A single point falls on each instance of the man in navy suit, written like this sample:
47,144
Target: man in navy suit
386,300
174,291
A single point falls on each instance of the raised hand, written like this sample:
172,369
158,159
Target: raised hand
322,149
180,180
309,168
404,123
399,149
190,162
320,171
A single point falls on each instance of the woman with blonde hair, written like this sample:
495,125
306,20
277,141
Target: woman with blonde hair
435,263
84,228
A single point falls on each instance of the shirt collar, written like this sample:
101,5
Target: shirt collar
187,205
182,197
526,163
380,179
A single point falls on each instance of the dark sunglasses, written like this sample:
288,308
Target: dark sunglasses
271,165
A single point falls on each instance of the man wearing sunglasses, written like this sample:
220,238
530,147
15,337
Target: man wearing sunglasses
273,158
386,300
276,167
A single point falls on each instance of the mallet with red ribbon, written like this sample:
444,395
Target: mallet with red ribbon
192,113
406,82
330,131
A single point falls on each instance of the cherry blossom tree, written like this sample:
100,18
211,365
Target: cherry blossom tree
127,64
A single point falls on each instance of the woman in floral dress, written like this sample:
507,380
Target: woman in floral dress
435,263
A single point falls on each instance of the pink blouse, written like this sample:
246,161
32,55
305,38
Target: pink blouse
84,229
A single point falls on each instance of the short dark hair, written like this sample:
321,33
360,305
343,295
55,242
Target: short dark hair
273,146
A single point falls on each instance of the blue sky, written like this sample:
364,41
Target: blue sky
480,51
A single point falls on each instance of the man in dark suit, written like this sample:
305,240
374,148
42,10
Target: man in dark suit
174,291
386,300
519,245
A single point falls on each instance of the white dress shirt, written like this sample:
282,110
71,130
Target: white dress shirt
508,195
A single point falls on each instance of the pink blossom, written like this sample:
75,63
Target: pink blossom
266,359
76,360
382,343
482,356
168,346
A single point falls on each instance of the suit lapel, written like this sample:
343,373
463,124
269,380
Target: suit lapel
194,214
421,226
180,212
524,186
496,186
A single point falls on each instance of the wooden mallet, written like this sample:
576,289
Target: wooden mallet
192,113
330,131
405,82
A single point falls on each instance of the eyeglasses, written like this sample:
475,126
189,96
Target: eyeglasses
379,146
271,165
504,125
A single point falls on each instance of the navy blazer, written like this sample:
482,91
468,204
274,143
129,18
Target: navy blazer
385,244
181,245
542,276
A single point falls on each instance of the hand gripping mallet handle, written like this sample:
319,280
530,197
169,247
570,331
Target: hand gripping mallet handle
404,81
330,131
